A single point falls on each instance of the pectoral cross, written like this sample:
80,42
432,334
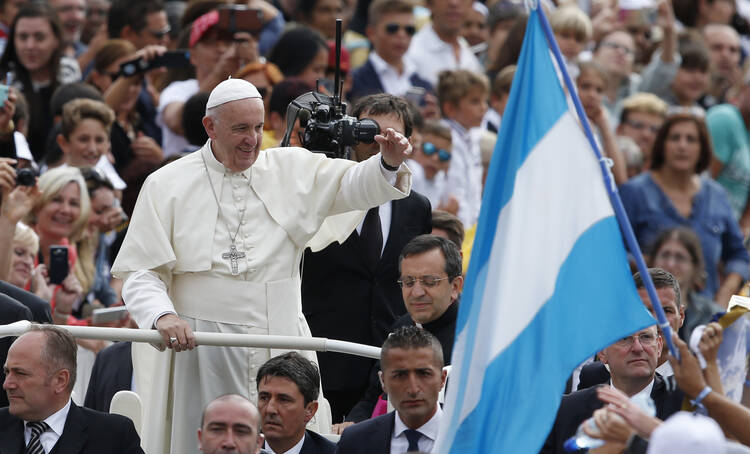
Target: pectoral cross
232,256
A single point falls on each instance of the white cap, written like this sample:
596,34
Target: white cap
687,434
231,90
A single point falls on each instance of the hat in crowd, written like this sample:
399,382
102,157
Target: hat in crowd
686,433
202,25
231,90
345,58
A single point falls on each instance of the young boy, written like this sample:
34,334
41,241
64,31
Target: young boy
498,98
573,30
430,165
462,96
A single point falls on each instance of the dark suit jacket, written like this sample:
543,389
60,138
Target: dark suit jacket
40,309
317,444
342,298
593,374
10,311
365,81
86,432
580,405
112,372
444,328
368,437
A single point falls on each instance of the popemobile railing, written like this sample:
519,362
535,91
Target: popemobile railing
214,339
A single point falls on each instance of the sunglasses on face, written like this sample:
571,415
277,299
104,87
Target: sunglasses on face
430,149
392,29
159,34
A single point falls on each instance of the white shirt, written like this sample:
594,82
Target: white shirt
436,189
665,370
296,449
56,423
384,211
179,91
430,55
645,391
393,83
465,172
429,431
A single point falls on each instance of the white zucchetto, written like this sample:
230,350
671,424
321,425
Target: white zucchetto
231,90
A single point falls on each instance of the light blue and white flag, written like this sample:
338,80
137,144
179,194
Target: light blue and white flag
548,284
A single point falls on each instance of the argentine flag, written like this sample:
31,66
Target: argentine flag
548,284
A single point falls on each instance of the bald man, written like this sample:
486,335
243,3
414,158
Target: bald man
230,423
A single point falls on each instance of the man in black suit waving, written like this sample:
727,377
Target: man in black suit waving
40,373
349,290
412,375
288,388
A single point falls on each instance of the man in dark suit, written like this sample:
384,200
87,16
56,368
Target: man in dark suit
390,28
349,290
40,373
40,309
230,423
632,362
112,372
413,376
288,388
432,304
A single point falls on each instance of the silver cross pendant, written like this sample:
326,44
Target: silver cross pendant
232,256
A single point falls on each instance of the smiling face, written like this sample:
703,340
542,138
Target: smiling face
283,411
236,130
21,265
432,163
72,15
35,42
412,378
57,217
86,144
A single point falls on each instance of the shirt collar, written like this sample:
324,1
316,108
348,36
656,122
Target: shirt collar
645,391
215,165
381,66
56,421
428,429
296,449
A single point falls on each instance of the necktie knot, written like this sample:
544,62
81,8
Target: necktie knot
412,436
37,428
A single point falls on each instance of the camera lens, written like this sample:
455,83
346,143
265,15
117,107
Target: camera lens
25,177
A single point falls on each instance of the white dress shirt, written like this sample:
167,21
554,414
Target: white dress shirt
645,391
465,172
429,431
393,83
430,55
296,449
56,423
436,189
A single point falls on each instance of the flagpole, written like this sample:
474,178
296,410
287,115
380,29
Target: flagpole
609,182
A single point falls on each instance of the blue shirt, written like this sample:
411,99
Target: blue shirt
650,212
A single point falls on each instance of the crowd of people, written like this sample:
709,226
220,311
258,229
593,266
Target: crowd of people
144,185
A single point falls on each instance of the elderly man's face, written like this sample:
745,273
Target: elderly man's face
229,425
236,133
634,357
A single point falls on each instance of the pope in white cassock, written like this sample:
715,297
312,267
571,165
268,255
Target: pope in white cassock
215,244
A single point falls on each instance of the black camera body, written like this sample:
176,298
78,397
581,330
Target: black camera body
25,177
328,129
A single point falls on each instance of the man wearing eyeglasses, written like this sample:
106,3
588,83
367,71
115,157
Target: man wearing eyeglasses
390,29
632,363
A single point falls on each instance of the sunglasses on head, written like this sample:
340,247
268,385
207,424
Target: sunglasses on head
392,29
430,149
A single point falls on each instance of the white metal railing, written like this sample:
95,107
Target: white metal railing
320,344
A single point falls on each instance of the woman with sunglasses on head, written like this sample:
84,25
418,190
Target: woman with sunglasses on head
674,193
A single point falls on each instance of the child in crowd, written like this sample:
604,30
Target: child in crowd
498,98
430,166
462,95
573,30
641,118
590,83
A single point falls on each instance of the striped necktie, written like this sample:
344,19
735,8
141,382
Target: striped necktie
37,429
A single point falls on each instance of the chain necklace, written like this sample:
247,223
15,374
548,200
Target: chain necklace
233,255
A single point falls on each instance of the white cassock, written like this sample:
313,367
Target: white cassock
171,261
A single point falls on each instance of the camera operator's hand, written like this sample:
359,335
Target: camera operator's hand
394,147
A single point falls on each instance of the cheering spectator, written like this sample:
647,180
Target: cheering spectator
674,193
34,58
72,15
